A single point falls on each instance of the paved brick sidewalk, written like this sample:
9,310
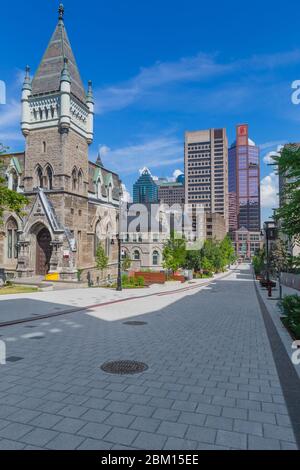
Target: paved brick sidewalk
211,383
15,307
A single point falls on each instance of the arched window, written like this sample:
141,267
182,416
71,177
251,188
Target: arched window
13,180
97,237
74,179
49,175
99,188
136,255
155,258
39,177
80,180
108,242
12,238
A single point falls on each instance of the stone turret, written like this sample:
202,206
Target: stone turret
65,98
90,119
26,92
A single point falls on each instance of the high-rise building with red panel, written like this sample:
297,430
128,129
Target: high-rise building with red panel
244,182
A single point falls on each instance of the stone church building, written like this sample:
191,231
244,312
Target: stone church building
73,203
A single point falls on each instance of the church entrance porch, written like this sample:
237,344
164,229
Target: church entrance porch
43,252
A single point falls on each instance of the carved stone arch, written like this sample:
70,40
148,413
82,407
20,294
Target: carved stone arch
39,176
136,253
80,180
11,237
48,176
41,243
74,178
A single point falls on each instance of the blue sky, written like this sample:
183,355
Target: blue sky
162,67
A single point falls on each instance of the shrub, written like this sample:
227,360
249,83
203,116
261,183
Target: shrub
290,307
140,281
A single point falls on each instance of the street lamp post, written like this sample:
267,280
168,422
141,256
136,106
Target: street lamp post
270,230
119,279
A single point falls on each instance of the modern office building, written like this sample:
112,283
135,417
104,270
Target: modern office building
244,183
145,190
247,243
172,192
215,226
206,170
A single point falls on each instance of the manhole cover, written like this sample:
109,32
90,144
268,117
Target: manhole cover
14,359
135,323
124,367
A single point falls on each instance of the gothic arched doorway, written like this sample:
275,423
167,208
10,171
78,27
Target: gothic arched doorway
43,252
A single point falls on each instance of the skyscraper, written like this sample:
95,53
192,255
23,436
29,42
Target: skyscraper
145,189
206,170
244,183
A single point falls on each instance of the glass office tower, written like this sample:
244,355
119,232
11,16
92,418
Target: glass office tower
244,183
145,190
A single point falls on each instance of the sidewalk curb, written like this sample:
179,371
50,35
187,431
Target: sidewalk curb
286,370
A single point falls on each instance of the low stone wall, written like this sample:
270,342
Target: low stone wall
291,280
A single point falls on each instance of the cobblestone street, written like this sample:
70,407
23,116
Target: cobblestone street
211,381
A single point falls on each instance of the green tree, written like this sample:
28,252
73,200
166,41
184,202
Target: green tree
207,265
126,262
258,262
101,258
174,253
279,257
193,260
9,200
227,250
288,164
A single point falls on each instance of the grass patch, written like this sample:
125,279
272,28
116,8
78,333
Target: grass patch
7,290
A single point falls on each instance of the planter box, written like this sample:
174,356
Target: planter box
151,278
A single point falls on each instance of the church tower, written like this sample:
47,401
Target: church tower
57,121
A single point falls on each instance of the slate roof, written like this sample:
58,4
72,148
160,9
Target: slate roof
47,77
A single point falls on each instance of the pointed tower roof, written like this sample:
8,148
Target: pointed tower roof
48,75
99,159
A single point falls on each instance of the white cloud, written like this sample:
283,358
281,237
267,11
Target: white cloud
126,197
151,153
10,117
269,191
187,69
268,157
177,173
104,150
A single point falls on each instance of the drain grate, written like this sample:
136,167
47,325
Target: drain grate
124,367
37,337
14,359
135,323
30,326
